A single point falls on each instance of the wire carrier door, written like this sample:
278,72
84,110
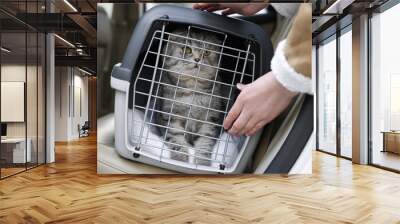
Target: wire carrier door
220,159
243,52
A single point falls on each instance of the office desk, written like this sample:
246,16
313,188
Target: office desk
13,150
391,141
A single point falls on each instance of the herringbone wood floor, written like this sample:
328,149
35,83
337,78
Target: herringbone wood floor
70,191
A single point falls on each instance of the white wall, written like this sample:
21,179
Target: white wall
17,73
33,126
70,83
14,73
80,83
62,80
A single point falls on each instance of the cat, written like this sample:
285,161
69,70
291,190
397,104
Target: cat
195,53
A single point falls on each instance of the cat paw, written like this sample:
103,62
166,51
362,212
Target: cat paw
203,162
179,156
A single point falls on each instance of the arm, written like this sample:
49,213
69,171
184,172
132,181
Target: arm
264,99
291,64
298,42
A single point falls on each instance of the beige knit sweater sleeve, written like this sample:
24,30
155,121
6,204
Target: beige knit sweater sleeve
291,64
298,42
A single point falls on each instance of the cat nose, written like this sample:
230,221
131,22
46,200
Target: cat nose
197,59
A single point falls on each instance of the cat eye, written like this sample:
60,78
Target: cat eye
207,53
187,51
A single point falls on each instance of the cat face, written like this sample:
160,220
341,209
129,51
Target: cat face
196,53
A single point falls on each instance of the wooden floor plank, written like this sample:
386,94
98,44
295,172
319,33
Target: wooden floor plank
70,191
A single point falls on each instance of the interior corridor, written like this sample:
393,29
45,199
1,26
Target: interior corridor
72,192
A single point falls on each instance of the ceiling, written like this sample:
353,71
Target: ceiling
74,22
331,15
16,42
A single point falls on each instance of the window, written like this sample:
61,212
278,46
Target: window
346,93
333,137
385,89
327,96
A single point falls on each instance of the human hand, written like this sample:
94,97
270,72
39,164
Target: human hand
257,104
231,8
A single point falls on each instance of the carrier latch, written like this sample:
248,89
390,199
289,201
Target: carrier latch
136,155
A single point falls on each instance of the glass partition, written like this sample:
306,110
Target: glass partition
22,88
14,153
41,96
31,97
327,96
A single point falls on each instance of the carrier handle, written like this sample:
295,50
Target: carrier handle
119,77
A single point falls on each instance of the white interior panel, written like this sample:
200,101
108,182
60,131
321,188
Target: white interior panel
12,101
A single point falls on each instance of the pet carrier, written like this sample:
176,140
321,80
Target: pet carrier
244,53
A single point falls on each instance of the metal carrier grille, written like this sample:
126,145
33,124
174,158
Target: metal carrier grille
235,64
